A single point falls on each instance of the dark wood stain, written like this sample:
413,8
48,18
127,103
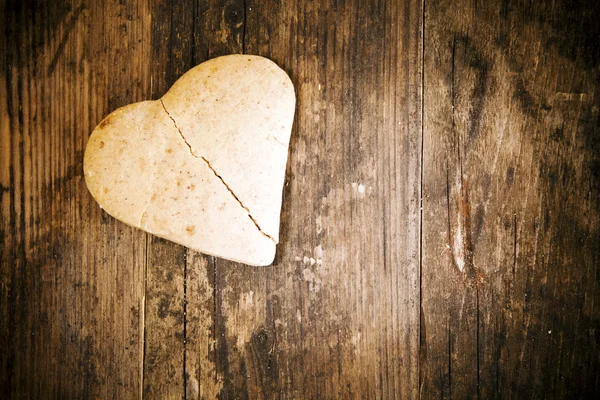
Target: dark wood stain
72,20
475,60
525,99
439,230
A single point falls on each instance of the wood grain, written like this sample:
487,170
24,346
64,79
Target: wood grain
72,278
510,201
439,233
333,315
165,313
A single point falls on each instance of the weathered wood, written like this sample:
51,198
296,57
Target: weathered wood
337,314
492,108
510,200
164,320
218,30
72,278
237,354
165,326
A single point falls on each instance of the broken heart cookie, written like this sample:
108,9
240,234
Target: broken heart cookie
204,165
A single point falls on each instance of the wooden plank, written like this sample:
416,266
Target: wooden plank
337,314
165,326
510,201
218,30
6,232
182,35
72,279
164,320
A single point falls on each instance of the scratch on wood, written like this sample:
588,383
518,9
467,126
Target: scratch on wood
459,233
462,245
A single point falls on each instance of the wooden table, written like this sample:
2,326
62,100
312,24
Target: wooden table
441,218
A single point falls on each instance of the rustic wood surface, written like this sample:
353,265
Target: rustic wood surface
440,233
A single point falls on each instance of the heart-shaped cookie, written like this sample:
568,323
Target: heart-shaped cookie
204,165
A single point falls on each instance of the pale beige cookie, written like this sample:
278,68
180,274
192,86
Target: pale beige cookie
204,165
